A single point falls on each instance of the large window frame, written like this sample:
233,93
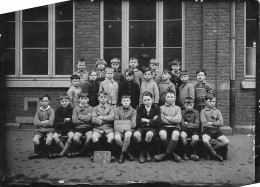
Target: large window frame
49,80
125,33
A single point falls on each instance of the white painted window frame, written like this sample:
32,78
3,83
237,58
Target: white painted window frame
125,33
50,80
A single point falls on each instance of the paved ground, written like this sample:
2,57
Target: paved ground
239,169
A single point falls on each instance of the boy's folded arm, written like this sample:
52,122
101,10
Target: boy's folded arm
177,118
110,116
51,119
156,122
197,122
95,119
85,118
219,122
75,119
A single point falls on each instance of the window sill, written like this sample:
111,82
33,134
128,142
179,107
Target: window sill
38,83
248,84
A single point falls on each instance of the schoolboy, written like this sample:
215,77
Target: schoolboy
186,89
101,65
103,119
126,113
148,121
129,87
118,75
43,121
63,125
74,90
190,128
171,118
92,88
211,120
82,72
138,75
110,86
149,85
154,65
165,86
175,66
202,87
81,119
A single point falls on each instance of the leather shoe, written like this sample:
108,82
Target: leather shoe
185,157
142,158
194,157
130,157
160,157
176,158
148,157
121,158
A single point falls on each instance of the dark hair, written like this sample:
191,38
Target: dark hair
209,96
174,62
133,58
45,95
64,96
166,71
189,100
81,60
201,70
130,72
92,71
102,92
125,97
74,77
170,92
184,73
146,93
147,69
83,95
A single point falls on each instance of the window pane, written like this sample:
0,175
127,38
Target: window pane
35,34
172,33
9,61
112,10
9,34
36,14
112,34
112,53
64,11
8,16
35,62
251,9
143,56
64,34
170,54
63,61
250,61
142,34
142,10
172,9
251,27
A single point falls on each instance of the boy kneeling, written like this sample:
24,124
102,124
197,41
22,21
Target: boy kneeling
190,128
147,121
211,120
102,119
128,114
171,117
63,125
81,119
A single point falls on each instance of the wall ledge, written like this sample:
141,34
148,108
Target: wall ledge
38,83
248,84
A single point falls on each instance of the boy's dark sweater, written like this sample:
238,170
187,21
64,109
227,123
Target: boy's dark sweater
142,113
130,88
92,89
60,114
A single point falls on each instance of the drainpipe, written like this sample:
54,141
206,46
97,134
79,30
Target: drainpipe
232,67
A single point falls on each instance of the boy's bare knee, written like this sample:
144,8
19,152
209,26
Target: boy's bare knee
195,138
117,137
137,136
70,135
149,136
36,141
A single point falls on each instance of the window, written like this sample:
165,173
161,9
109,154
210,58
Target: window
251,33
39,42
144,29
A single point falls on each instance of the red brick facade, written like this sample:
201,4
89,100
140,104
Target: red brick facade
207,35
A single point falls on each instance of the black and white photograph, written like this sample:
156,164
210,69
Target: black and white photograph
131,93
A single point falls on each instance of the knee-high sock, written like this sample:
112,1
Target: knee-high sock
171,146
209,148
60,144
125,145
97,146
219,145
85,146
194,146
119,142
66,148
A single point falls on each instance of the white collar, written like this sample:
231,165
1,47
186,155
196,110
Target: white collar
48,107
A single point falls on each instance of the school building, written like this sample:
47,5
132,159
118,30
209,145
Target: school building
41,46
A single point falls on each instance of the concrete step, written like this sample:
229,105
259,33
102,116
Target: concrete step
244,129
24,119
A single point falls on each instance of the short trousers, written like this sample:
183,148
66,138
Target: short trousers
169,130
102,130
122,133
43,134
83,130
212,134
190,133
143,131
64,132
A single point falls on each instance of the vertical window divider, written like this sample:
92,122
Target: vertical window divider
244,38
125,34
102,29
73,37
51,40
183,36
159,34
18,43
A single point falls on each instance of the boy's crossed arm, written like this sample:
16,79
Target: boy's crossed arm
192,125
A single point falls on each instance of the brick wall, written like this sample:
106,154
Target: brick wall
87,31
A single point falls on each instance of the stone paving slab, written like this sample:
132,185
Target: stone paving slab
238,169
